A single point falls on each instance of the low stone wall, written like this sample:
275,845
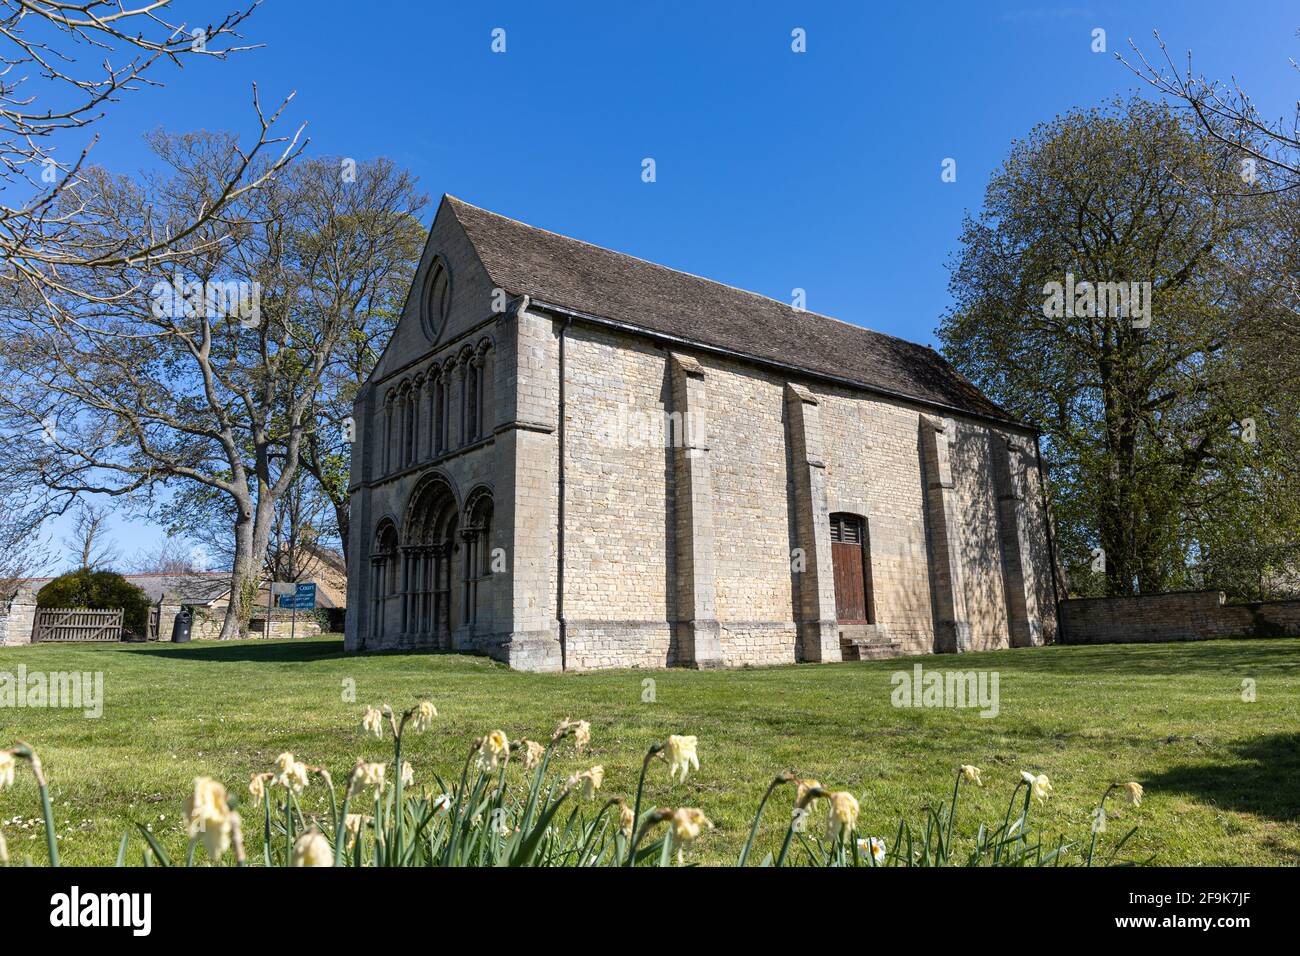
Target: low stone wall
1179,616
282,627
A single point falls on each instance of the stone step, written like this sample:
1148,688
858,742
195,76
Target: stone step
871,650
867,642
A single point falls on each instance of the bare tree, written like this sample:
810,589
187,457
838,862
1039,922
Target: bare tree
211,379
368,265
89,542
17,560
1224,111
22,548
1267,154
303,522
52,93
169,556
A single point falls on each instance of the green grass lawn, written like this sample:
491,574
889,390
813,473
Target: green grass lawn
1222,776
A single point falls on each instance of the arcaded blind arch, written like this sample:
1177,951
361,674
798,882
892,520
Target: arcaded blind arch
410,413
442,405
473,399
433,382
478,393
383,573
478,556
386,451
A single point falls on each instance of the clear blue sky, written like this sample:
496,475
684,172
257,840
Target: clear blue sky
775,170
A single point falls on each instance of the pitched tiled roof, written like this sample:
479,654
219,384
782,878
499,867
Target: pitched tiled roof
576,275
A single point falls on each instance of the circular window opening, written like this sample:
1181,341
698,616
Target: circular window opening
437,299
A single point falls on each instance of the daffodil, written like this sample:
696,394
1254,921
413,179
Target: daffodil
7,766
353,824
257,787
589,780
1098,815
291,772
208,816
533,752
842,816
422,719
805,792
493,751
875,846
687,824
581,732
367,776
408,774
372,722
626,819
1039,785
312,849
681,756
1133,793
972,774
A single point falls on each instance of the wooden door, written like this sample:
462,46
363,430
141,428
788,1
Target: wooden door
847,556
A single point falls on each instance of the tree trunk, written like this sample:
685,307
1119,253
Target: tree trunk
252,536
243,580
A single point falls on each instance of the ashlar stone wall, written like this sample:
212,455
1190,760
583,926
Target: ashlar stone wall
625,560
661,506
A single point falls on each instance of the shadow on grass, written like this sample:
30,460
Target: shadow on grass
269,652
279,652
1137,660
1266,782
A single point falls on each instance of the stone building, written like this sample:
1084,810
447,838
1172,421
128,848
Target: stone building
570,458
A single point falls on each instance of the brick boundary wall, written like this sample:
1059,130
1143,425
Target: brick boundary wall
1178,616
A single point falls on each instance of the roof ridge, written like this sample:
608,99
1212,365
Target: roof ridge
659,300
659,265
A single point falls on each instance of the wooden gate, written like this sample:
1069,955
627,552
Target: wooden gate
76,624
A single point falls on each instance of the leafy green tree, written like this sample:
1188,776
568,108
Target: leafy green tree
99,590
1159,430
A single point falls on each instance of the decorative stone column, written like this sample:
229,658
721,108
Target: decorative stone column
952,629
1012,457
386,445
696,628
818,631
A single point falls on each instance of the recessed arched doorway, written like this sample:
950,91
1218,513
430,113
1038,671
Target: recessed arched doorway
430,574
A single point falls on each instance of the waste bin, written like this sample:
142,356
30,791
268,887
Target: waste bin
181,629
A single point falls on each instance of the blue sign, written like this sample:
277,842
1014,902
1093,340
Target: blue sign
303,599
